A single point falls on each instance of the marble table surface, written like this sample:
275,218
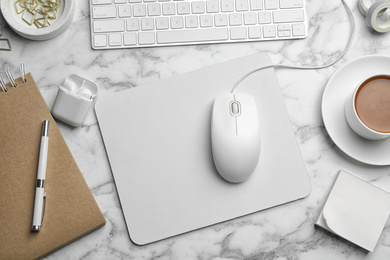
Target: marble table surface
283,232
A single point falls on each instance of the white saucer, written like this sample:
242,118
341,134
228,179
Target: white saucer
339,87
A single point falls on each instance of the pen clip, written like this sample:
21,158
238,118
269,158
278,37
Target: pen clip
44,208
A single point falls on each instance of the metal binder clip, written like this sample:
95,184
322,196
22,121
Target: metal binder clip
23,71
10,76
2,84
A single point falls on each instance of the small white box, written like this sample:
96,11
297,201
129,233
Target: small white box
74,99
356,211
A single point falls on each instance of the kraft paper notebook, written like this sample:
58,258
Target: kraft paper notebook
71,210
157,139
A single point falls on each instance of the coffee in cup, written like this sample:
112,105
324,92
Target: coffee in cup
368,109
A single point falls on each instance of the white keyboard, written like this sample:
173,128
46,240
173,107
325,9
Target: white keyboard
150,23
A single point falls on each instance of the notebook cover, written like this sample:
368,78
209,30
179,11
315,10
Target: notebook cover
71,210
157,139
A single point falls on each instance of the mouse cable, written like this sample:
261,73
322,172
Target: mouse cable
277,66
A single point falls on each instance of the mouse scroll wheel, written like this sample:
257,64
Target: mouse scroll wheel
235,108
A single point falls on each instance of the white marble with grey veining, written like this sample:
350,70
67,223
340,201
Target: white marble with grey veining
284,232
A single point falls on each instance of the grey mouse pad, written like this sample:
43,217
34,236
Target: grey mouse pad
157,139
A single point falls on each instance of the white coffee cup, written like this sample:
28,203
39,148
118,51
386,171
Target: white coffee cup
364,126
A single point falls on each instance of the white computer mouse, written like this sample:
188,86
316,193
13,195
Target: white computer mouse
235,136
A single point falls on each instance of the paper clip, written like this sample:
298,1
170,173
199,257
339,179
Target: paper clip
8,43
2,84
10,76
4,40
23,71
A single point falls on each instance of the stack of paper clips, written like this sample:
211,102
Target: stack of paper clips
40,13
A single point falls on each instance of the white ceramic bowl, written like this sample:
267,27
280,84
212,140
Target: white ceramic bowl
65,15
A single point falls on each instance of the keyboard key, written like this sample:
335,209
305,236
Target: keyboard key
235,19
250,18
256,5
104,11
124,11
271,4
212,6
194,35
265,17
227,5
238,33
284,4
288,16
206,20
254,32
168,9
220,20
298,29
154,9
109,26
145,38
129,39
269,31
283,27
147,24
132,24
115,39
191,21
162,23
100,40
242,5
177,22
198,7
139,10
284,33
183,8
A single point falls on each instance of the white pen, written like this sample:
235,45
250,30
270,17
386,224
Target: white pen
40,193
